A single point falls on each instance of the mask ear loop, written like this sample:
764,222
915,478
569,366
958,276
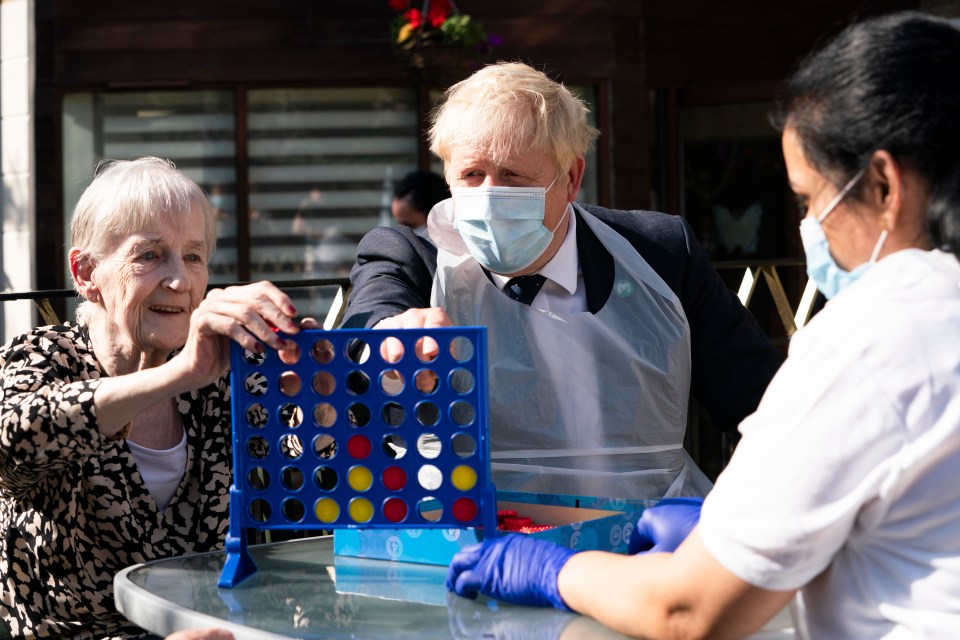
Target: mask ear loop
839,197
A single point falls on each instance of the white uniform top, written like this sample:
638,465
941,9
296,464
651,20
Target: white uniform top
847,480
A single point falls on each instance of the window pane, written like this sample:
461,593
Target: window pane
322,167
194,129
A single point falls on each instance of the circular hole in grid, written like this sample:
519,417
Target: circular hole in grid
463,445
258,478
254,358
427,414
257,415
327,510
421,345
290,355
358,414
461,381
463,477
357,351
325,447
292,510
428,445
462,413
395,344
430,509
291,478
290,383
392,382
360,510
394,509
464,509
260,510
290,415
394,478
359,447
322,351
255,383
326,478
291,447
358,383
429,477
394,446
359,478
258,447
393,414
425,381
324,415
324,383
461,349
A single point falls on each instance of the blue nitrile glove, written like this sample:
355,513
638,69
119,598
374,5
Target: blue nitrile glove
514,567
664,526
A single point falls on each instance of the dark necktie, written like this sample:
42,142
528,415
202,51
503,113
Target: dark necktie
524,288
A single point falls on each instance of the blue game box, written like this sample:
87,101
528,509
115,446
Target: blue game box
581,523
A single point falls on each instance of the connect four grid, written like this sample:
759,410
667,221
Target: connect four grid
332,435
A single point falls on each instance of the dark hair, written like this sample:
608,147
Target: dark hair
425,189
885,83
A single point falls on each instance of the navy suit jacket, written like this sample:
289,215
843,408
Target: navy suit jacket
732,359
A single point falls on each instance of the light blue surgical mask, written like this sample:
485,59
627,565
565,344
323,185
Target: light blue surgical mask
503,226
829,277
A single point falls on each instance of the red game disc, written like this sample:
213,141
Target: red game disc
464,509
359,447
395,510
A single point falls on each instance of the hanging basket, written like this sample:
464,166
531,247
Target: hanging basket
432,62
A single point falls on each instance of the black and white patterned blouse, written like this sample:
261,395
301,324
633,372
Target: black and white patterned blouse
73,507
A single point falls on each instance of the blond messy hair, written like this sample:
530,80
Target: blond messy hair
509,107
127,196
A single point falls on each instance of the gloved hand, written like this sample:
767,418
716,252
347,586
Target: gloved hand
513,567
664,526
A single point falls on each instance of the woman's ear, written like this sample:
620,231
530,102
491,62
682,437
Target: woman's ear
886,190
81,268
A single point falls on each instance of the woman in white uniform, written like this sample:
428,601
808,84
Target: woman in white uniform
842,493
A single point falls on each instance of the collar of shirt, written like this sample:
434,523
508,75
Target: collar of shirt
562,268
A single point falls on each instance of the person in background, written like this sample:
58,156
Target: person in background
841,493
599,322
414,197
115,441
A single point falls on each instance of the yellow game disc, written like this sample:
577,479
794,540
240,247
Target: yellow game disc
463,477
327,510
361,510
359,478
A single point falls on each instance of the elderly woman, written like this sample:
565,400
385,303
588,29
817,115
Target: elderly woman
115,430
843,490
581,303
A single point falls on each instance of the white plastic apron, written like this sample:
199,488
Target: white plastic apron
603,415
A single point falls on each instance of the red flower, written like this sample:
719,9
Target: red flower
414,17
397,5
438,12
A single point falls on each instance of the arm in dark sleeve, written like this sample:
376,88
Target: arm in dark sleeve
393,273
733,361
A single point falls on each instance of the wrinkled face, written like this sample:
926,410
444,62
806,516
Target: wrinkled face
151,283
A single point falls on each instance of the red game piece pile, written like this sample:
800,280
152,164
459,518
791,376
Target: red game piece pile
510,520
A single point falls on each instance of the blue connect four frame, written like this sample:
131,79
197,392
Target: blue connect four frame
338,437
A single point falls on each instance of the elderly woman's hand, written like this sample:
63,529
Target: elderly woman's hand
249,314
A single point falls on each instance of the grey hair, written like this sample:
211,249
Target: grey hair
127,196
508,107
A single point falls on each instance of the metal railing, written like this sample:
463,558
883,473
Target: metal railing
791,318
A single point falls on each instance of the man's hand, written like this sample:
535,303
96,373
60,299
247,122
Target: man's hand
391,349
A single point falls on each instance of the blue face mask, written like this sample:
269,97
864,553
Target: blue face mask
829,277
503,226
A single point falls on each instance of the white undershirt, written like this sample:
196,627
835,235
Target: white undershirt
564,291
161,470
